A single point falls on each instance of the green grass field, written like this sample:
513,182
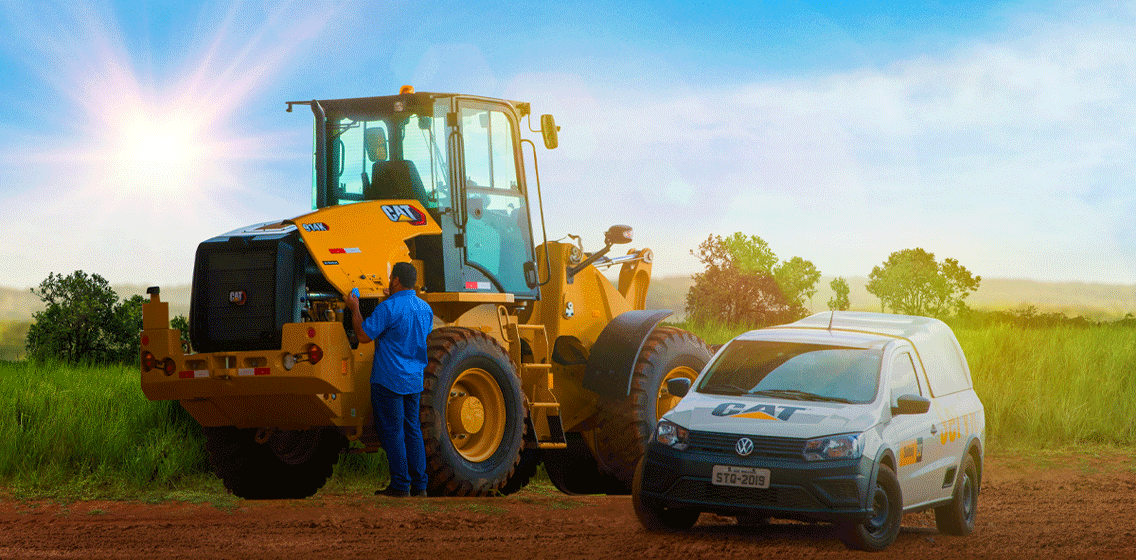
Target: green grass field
86,432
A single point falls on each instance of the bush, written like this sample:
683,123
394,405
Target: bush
83,321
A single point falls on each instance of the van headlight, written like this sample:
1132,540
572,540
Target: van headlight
671,435
845,446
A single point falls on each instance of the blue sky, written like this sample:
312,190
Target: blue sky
1001,134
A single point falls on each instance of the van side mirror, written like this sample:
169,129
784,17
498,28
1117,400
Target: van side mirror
911,404
548,129
678,386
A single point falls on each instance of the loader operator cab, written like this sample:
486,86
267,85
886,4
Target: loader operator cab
460,157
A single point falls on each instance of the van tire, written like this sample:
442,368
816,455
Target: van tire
656,517
957,517
877,532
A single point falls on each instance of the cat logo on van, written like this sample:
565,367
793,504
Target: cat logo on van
759,411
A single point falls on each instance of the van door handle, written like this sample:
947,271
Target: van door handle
934,430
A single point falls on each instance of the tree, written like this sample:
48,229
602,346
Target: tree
744,284
83,322
839,300
797,279
911,282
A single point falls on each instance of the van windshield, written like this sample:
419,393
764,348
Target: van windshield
795,371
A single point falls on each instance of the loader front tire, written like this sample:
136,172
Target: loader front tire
625,424
290,464
473,414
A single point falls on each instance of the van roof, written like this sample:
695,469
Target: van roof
905,326
934,342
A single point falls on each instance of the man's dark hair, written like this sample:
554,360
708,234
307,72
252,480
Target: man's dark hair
406,273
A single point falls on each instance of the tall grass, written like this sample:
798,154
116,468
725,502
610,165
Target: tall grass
1055,386
89,431
91,428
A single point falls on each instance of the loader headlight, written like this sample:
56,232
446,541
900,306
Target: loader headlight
671,434
312,354
845,446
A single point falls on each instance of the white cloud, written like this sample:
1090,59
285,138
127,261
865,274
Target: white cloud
1013,156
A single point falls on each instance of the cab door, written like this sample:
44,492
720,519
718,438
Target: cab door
910,435
497,232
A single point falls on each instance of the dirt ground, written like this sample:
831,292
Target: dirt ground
1040,506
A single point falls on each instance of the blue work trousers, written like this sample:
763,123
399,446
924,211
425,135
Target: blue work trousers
400,433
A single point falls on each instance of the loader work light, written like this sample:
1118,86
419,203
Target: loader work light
315,354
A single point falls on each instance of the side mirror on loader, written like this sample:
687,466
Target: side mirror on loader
548,129
618,235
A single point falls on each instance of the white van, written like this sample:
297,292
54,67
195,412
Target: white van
848,417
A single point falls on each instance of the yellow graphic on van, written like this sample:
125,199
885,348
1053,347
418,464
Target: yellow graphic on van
911,452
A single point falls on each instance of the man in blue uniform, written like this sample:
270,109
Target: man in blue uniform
399,326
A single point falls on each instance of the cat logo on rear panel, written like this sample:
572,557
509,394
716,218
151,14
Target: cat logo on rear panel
404,213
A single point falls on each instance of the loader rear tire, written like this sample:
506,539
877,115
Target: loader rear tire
473,414
291,464
625,424
574,470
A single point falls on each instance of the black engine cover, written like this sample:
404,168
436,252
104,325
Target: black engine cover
246,286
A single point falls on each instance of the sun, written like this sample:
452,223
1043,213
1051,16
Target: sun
155,150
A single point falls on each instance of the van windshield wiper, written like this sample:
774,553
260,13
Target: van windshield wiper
724,389
797,395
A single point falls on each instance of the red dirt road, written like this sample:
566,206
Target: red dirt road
1051,506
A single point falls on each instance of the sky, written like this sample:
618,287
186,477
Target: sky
997,133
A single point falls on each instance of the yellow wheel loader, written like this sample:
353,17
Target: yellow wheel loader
535,357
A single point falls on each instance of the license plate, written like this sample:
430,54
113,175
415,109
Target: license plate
745,477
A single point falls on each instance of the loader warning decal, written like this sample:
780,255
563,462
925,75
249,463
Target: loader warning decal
404,213
758,412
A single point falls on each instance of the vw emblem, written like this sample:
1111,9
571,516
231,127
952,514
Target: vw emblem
744,446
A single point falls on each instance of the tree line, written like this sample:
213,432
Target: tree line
744,284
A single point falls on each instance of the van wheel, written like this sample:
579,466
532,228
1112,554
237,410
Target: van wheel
957,517
655,517
880,530
473,414
625,425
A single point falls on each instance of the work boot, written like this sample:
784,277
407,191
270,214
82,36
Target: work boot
390,492
418,493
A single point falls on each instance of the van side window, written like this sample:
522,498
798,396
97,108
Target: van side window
903,380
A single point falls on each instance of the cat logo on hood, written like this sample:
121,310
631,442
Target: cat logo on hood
758,411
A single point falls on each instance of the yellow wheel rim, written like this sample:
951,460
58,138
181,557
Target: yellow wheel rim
666,400
475,415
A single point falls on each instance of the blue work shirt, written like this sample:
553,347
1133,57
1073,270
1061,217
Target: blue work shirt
399,326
